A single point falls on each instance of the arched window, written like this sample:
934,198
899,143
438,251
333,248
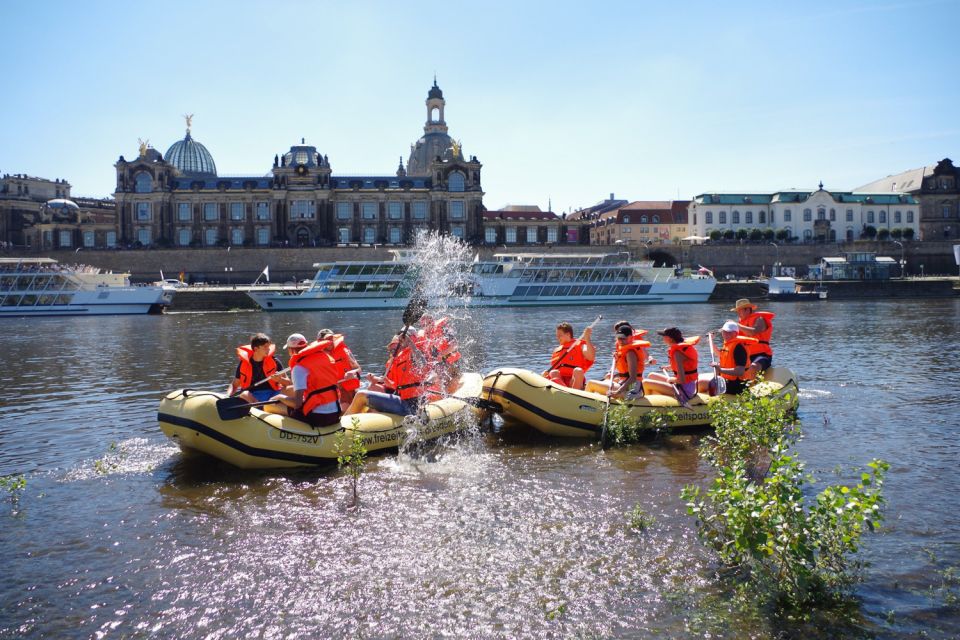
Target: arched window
735,217
870,216
643,219
883,216
807,215
748,217
821,214
708,219
789,231
762,216
849,234
435,114
723,217
656,219
833,215
807,234
456,182
626,219
143,183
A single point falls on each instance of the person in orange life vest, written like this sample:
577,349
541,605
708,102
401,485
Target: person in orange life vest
313,398
759,325
257,363
441,351
733,357
347,366
682,356
631,357
403,382
572,358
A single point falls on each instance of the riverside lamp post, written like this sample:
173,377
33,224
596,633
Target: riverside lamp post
775,270
902,261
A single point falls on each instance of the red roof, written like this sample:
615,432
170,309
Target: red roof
506,214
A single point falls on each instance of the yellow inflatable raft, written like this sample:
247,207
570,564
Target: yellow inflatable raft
528,398
262,440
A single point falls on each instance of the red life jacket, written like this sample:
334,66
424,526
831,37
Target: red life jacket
403,377
637,345
245,353
568,357
342,355
763,338
688,349
434,342
322,374
726,355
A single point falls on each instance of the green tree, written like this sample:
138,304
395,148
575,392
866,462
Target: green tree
351,455
783,235
869,232
908,233
742,234
883,234
716,234
897,233
728,234
769,234
756,235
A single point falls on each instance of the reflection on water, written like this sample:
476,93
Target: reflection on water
510,534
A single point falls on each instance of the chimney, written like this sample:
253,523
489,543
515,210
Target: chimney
611,196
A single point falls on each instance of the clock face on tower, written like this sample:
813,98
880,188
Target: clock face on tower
301,170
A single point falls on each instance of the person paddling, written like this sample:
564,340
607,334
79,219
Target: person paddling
348,369
733,359
402,383
257,363
572,358
436,341
759,325
314,397
682,356
630,357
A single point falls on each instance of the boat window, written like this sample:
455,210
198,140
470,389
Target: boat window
541,276
617,291
555,275
11,301
359,287
608,275
28,301
353,270
63,299
389,286
604,291
630,290
520,291
595,276
562,291
368,270
46,300
6,282
534,291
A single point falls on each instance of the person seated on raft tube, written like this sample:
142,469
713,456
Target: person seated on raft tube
436,342
631,357
572,358
682,355
759,325
257,363
733,358
314,397
403,383
348,369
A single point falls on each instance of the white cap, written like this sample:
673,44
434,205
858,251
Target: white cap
296,340
730,326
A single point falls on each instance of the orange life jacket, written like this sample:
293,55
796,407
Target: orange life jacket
763,338
322,374
568,357
434,342
637,345
403,377
245,353
726,355
688,349
342,355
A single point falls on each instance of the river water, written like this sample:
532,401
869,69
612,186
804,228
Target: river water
117,534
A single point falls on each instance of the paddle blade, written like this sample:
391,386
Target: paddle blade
234,408
415,308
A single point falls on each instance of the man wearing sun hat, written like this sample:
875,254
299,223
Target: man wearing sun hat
732,357
314,398
758,325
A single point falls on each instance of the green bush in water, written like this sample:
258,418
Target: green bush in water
351,455
759,521
624,428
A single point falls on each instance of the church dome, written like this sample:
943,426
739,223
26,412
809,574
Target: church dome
191,158
302,154
426,150
435,91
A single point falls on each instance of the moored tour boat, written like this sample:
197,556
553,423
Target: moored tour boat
261,440
528,398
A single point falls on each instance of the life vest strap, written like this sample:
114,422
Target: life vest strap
332,387
409,386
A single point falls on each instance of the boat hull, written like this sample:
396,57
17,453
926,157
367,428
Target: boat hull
267,441
528,398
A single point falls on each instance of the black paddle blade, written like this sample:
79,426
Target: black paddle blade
234,408
415,308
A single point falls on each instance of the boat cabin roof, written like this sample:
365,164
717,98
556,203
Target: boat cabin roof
7,261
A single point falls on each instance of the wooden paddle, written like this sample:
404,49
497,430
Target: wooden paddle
718,386
265,380
570,350
234,408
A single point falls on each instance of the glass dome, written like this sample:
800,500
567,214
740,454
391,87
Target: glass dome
191,158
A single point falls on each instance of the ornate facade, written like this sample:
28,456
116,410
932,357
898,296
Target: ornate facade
177,199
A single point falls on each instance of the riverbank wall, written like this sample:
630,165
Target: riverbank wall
243,265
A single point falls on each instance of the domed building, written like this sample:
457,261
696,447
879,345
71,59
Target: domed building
191,158
179,200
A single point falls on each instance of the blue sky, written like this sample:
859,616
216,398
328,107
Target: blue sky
567,101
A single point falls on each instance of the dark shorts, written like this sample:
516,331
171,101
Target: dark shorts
390,403
736,387
315,419
262,395
763,360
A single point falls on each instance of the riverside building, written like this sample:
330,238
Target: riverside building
178,199
805,216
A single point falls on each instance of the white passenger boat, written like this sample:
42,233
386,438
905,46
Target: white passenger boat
509,280
42,287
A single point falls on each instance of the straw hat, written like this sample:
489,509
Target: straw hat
743,302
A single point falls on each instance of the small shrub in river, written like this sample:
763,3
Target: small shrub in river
14,486
351,455
762,525
624,428
639,519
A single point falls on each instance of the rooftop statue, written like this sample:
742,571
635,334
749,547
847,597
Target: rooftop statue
144,144
189,119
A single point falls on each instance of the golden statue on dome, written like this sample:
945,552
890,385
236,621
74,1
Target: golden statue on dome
144,145
455,145
189,119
